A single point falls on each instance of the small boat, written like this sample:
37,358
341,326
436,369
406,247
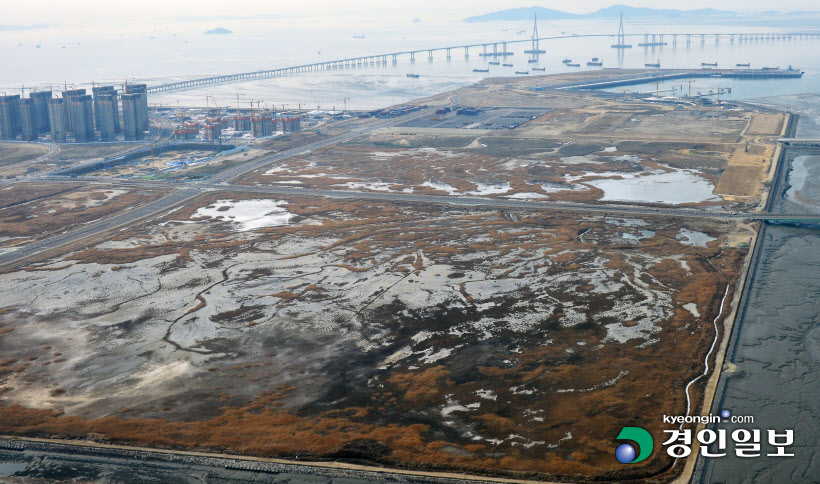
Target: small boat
598,64
522,72
539,68
532,61
657,64
708,64
507,65
494,63
414,76
594,59
566,60
573,65
358,36
481,70
748,64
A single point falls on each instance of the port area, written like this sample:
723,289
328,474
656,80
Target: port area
502,139
498,342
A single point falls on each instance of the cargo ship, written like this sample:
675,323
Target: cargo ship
481,70
414,76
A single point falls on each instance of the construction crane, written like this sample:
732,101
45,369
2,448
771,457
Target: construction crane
218,117
690,81
345,105
238,111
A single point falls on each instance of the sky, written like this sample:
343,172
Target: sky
81,11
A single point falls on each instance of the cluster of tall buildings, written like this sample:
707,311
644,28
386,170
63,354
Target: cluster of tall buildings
77,115
259,123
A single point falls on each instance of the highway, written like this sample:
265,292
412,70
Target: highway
181,193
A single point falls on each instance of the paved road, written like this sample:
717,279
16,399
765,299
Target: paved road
180,195
183,192
608,208
122,219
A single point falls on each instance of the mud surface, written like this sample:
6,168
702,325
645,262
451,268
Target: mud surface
411,336
777,351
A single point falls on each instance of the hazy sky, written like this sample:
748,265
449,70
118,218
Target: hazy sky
77,11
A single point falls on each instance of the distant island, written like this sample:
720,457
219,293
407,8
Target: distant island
219,30
614,11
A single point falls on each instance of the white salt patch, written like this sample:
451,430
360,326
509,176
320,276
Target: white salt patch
527,196
692,237
486,394
487,189
692,308
441,186
682,186
248,214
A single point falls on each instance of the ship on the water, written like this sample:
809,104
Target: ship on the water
414,76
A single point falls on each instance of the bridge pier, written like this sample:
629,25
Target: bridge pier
466,52
395,59
448,54
412,57
485,50
717,38
429,56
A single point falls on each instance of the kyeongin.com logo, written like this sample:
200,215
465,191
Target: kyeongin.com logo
712,442
625,453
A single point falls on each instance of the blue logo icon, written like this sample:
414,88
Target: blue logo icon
725,414
625,453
